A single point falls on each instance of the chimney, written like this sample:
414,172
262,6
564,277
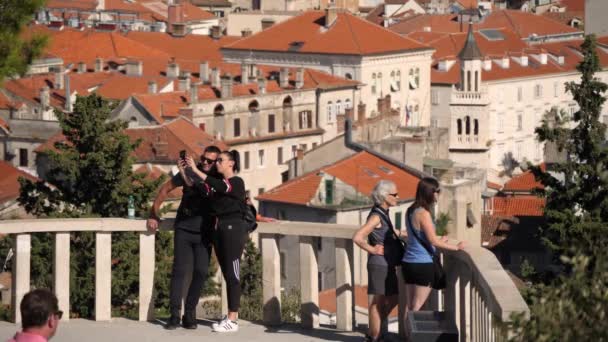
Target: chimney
246,32
299,154
68,94
216,32
226,85
135,68
215,77
349,113
542,58
244,72
82,67
184,81
185,112
299,78
361,112
487,64
267,23
284,78
262,85
331,14
201,126
524,60
193,93
45,97
58,84
172,69
98,64
203,72
152,87
505,62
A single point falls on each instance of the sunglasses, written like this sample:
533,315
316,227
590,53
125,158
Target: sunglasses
438,191
395,194
209,161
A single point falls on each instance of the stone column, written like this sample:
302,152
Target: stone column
271,279
146,276
309,283
103,276
21,273
344,285
61,268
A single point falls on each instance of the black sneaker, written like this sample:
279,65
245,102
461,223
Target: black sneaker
172,323
189,320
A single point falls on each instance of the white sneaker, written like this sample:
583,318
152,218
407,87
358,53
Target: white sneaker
227,326
217,324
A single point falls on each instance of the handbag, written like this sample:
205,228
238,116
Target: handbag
390,225
439,278
249,216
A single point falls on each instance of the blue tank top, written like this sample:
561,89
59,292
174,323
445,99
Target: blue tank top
415,252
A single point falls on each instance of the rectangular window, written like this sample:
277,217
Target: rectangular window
303,147
246,160
237,127
520,121
314,145
520,94
501,153
280,155
294,150
556,89
23,157
398,220
305,119
260,191
329,191
261,157
501,123
434,97
270,123
538,91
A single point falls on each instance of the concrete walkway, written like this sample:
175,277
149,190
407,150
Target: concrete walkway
123,330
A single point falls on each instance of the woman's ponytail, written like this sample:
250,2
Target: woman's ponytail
237,160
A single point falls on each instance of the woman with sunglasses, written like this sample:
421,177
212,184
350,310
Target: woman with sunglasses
417,263
231,232
378,237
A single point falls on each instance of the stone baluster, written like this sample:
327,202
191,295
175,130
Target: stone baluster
61,272
271,279
344,285
103,276
309,281
21,275
146,276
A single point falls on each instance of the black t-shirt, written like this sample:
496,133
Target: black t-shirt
195,208
228,196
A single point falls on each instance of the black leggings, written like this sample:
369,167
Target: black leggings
229,241
191,255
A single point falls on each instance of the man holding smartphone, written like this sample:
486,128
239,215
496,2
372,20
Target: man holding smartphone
192,241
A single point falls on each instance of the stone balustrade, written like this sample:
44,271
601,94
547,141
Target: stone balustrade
470,97
479,294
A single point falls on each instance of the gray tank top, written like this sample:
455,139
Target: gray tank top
384,236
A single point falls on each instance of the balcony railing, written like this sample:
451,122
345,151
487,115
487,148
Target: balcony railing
470,97
479,295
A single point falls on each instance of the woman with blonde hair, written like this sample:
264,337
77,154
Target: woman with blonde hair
378,237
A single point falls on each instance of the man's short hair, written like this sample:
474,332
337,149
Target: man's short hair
36,308
212,149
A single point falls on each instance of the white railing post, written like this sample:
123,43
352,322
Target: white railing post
147,263
61,272
344,286
21,273
103,276
309,280
271,279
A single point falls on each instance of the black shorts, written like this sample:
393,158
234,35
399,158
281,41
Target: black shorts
421,274
381,280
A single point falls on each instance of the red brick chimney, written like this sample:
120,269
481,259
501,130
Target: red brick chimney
361,112
176,16
201,126
299,154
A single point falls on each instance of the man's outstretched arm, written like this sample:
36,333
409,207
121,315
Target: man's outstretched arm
162,195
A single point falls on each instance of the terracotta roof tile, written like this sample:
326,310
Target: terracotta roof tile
9,184
494,229
179,134
120,87
348,35
494,186
4,125
525,182
527,205
361,171
75,4
573,5
565,17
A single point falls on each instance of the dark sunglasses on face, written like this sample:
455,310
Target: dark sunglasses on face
438,191
395,194
208,161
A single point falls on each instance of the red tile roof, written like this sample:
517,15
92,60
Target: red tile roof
361,171
348,35
524,182
163,105
527,205
154,172
565,17
494,186
88,5
573,5
4,125
9,184
120,86
179,134
494,228
522,23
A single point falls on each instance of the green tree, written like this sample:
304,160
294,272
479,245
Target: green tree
91,175
17,53
251,283
577,188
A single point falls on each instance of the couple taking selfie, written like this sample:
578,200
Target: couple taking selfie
420,264
212,212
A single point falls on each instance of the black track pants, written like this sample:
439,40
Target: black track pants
191,255
229,241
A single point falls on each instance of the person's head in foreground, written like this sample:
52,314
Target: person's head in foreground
40,316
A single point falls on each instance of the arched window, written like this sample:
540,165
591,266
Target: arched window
414,78
468,80
475,127
287,102
218,110
339,107
459,126
347,104
330,111
476,80
254,106
374,84
348,76
467,125
398,79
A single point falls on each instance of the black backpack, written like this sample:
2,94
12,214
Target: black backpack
249,216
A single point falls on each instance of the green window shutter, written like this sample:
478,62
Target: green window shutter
329,191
